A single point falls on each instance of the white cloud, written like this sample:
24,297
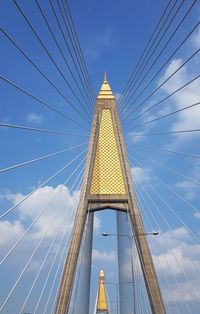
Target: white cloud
34,118
140,175
104,256
125,265
97,223
191,191
106,39
196,215
166,241
181,233
136,136
91,52
184,120
175,247
176,293
187,119
196,39
117,96
31,207
9,231
181,254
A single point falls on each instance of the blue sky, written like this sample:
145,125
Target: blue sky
112,35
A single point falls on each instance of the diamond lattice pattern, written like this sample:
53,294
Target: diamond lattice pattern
107,174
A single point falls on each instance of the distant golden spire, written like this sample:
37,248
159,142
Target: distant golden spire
105,91
102,302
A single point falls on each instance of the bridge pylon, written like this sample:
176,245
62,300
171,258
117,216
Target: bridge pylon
107,184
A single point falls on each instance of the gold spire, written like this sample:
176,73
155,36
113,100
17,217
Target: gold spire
105,91
102,303
105,77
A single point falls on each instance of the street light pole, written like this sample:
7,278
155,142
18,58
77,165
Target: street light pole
116,284
105,234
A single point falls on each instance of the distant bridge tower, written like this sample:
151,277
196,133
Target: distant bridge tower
102,301
107,184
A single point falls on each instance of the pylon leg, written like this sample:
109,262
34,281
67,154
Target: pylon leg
151,282
68,276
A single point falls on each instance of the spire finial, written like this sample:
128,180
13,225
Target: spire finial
105,76
105,91
101,273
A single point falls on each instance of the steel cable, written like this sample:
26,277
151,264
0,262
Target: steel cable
176,29
165,63
46,256
41,72
169,207
166,115
75,36
163,83
167,97
168,151
174,278
77,50
75,65
166,133
27,128
64,58
170,228
40,101
40,185
39,158
140,59
37,218
168,168
183,271
26,266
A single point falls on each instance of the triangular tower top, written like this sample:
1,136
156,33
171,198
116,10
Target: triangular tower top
107,174
102,303
105,91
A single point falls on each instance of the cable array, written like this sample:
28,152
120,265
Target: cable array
158,120
144,54
146,193
69,99
164,158
188,11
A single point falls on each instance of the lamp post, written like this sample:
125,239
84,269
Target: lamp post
111,302
116,287
131,237
116,284
105,234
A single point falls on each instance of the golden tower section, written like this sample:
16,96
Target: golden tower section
102,303
107,175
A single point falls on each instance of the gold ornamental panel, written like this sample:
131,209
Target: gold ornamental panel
107,175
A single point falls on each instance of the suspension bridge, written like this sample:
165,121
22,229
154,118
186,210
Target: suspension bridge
99,188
